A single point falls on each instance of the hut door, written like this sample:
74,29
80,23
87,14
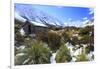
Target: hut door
29,29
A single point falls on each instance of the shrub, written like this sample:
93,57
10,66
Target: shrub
66,36
19,39
63,55
88,49
86,39
75,41
86,30
28,41
17,25
82,57
42,36
36,54
54,40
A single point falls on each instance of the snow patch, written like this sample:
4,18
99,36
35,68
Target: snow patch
52,59
22,32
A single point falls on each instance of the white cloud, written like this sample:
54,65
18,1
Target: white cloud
85,18
91,11
69,19
86,21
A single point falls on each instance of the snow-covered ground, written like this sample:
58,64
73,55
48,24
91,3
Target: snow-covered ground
78,51
90,55
22,31
52,59
70,46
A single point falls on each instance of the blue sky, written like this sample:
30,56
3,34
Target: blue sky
66,14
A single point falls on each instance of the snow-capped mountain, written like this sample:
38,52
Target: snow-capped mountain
35,16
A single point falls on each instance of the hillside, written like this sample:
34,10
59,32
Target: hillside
78,40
